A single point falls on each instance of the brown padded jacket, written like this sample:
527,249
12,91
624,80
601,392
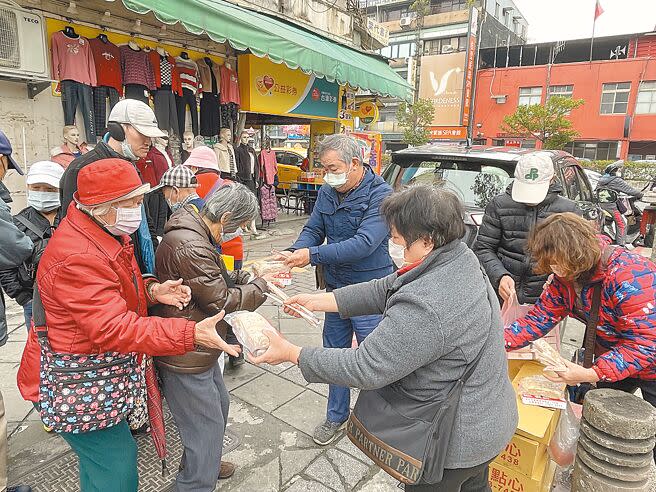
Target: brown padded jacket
188,251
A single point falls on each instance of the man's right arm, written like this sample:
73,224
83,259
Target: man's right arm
487,245
15,247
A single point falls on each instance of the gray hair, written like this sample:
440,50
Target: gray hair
233,199
346,147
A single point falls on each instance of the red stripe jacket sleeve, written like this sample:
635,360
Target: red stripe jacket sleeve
632,339
93,300
551,307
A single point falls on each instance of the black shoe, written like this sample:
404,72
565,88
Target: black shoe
135,432
19,488
237,361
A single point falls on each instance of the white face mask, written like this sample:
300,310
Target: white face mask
336,180
229,236
126,149
397,253
43,201
128,221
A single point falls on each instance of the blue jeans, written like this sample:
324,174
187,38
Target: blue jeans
27,312
338,333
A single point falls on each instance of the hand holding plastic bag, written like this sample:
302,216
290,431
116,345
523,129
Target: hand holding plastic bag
512,310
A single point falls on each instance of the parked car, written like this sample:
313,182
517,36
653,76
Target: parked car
479,173
289,162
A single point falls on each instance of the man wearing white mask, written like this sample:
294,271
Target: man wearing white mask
131,126
347,220
37,221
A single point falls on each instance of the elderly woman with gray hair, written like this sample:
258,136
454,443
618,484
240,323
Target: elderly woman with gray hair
438,353
193,383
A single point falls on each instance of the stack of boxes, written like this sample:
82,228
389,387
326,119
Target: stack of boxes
525,465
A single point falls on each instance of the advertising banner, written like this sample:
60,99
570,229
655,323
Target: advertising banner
448,132
472,41
441,81
272,88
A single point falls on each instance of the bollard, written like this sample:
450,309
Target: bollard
616,442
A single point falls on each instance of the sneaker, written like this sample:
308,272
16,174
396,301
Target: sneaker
327,432
226,470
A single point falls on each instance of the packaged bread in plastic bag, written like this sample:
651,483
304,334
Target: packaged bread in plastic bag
265,267
249,330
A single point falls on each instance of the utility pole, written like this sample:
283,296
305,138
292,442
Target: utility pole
420,8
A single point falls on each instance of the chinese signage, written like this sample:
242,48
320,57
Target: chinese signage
448,132
470,67
368,112
269,88
441,81
377,31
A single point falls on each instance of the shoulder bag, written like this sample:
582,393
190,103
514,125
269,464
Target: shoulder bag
83,392
407,438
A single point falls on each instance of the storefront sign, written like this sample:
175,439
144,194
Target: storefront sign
272,88
377,31
441,81
447,132
368,112
371,144
471,66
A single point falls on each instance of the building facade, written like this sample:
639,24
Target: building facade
618,117
446,57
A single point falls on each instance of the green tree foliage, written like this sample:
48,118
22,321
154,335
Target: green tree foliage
549,123
414,120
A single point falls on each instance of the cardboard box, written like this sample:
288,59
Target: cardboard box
536,423
514,365
522,454
504,479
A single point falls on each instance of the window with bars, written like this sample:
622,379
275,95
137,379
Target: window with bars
593,150
615,98
528,96
646,103
560,90
445,45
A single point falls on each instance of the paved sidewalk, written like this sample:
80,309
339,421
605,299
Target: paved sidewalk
272,415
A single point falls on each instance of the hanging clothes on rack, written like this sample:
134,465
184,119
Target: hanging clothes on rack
73,65
168,85
107,58
189,80
137,71
210,87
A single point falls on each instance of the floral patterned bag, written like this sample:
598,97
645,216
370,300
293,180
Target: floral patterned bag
83,392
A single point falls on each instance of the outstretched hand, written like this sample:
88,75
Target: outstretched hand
206,335
172,293
280,350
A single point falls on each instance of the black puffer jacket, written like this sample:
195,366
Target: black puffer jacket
503,235
18,282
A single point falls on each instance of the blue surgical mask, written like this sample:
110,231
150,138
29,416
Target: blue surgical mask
43,201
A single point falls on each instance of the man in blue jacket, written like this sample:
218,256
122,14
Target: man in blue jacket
347,238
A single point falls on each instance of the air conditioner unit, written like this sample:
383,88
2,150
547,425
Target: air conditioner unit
406,21
23,48
447,48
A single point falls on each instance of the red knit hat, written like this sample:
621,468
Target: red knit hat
108,180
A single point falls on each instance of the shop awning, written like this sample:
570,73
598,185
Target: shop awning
281,42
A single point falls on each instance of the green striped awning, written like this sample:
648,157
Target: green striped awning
279,41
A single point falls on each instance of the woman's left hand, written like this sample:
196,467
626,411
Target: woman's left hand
574,375
172,293
280,350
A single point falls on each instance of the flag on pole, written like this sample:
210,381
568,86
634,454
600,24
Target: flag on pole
597,13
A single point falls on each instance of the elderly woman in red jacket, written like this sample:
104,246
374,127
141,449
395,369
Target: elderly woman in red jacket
95,303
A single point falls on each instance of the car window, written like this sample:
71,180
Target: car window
571,183
294,159
584,184
281,157
475,183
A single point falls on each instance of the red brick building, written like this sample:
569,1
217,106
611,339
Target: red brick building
618,119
